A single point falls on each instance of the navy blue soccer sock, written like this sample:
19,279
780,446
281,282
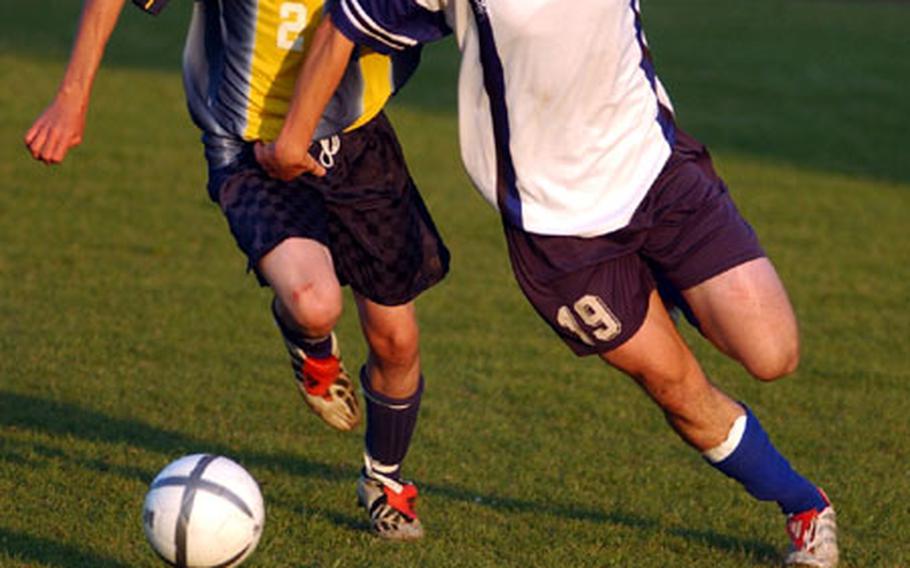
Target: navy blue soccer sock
317,348
390,425
763,471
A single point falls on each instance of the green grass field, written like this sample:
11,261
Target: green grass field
130,334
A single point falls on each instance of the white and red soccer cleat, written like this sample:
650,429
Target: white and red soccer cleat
391,507
813,537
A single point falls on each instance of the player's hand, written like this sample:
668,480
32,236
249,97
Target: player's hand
58,129
285,163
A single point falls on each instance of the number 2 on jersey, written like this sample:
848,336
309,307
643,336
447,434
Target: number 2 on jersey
293,20
595,314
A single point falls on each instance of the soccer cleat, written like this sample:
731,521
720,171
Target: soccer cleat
324,383
813,537
391,508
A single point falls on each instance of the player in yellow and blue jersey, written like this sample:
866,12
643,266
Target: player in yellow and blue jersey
362,224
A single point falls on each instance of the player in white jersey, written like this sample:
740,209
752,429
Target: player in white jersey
567,131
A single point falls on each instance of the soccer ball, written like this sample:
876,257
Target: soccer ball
202,511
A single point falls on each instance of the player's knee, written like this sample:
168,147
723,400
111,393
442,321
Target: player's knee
316,311
396,346
776,364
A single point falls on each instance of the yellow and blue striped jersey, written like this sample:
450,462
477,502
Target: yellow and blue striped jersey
240,67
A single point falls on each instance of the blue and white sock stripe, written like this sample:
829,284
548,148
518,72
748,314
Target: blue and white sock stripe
387,401
384,474
750,458
721,452
508,199
366,26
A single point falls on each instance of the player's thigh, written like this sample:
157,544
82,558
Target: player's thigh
301,273
282,229
702,246
746,312
655,355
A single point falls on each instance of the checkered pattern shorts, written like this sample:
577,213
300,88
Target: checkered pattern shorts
366,210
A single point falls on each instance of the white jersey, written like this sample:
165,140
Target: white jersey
563,123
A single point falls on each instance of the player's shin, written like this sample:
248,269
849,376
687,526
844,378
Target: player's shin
388,499
390,426
748,456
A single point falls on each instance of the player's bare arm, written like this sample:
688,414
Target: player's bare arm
320,74
60,127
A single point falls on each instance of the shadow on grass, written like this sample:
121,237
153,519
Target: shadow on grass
567,511
760,551
63,419
28,548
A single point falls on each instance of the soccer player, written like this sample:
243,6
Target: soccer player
567,131
363,223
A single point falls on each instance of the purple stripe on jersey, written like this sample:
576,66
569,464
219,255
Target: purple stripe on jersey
494,82
370,27
387,26
664,116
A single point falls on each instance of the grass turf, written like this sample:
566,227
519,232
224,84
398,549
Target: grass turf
129,334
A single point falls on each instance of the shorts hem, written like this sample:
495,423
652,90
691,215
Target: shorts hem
402,299
253,259
588,350
717,269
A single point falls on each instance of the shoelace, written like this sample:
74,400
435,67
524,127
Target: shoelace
801,528
404,501
330,146
319,374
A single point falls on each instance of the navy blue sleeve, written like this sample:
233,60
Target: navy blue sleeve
387,26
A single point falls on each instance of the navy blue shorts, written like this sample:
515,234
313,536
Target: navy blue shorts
594,292
366,211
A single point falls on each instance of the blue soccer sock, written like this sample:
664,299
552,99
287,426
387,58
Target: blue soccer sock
390,425
754,462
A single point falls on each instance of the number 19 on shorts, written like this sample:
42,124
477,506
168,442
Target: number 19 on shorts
594,313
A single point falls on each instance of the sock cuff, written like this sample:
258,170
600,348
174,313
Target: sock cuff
319,347
385,474
728,446
387,401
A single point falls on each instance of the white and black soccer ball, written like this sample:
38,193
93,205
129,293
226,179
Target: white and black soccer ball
203,511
